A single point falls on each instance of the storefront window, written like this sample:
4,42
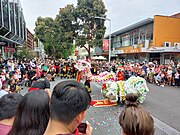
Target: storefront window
0,14
5,13
21,23
12,17
126,40
17,18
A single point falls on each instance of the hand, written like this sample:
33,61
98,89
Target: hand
88,129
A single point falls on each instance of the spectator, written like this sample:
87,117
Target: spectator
8,105
177,78
11,84
4,90
42,83
158,78
150,76
134,120
69,102
169,75
32,114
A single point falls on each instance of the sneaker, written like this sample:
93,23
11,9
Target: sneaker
162,85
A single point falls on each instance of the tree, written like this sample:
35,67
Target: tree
72,24
45,31
57,34
24,52
90,30
66,24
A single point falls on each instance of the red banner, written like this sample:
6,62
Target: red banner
9,49
105,44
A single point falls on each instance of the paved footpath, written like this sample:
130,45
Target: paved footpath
104,120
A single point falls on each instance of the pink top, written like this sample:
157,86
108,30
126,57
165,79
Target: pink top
156,70
4,129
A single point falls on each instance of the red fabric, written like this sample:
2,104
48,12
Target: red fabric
93,102
78,76
76,132
31,89
87,60
104,86
120,76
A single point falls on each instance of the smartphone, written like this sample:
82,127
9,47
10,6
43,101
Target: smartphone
82,128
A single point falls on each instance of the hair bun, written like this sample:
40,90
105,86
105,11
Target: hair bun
132,99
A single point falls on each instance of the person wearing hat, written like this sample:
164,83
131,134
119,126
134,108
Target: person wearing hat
42,83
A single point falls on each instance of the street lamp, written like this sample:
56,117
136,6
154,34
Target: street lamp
109,34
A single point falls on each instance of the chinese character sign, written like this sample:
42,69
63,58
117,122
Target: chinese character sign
105,44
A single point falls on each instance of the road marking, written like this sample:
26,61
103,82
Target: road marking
157,123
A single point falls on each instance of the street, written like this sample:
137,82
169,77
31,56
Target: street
161,102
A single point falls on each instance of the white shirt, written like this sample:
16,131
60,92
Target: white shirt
2,93
169,72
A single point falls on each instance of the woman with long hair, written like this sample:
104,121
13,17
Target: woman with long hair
32,115
134,120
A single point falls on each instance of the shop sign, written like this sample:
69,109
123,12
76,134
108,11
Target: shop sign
118,51
105,45
9,49
154,49
135,50
162,49
2,43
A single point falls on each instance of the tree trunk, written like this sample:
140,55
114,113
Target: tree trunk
88,50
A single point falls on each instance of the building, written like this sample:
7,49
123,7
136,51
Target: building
39,49
29,39
148,40
12,26
176,15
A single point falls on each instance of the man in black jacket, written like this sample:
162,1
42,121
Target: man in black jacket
42,83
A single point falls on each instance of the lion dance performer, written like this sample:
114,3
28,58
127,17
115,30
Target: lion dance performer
87,81
114,87
84,70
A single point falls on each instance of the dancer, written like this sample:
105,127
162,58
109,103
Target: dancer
87,81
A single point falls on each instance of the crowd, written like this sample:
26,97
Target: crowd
15,73
61,112
160,74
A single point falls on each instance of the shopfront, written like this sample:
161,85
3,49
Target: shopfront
164,55
175,57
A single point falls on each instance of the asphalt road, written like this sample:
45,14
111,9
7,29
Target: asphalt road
161,102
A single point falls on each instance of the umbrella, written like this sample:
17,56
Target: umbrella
98,58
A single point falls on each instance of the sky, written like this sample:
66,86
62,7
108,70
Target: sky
122,13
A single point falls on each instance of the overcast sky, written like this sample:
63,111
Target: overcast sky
121,12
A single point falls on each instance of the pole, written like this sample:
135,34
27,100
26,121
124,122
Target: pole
109,34
109,40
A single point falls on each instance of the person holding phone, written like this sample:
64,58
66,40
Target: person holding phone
69,102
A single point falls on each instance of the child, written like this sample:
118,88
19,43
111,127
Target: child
150,76
158,79
177,79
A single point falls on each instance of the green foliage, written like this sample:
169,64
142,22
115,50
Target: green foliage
45,31
90,30
24,52
72,23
